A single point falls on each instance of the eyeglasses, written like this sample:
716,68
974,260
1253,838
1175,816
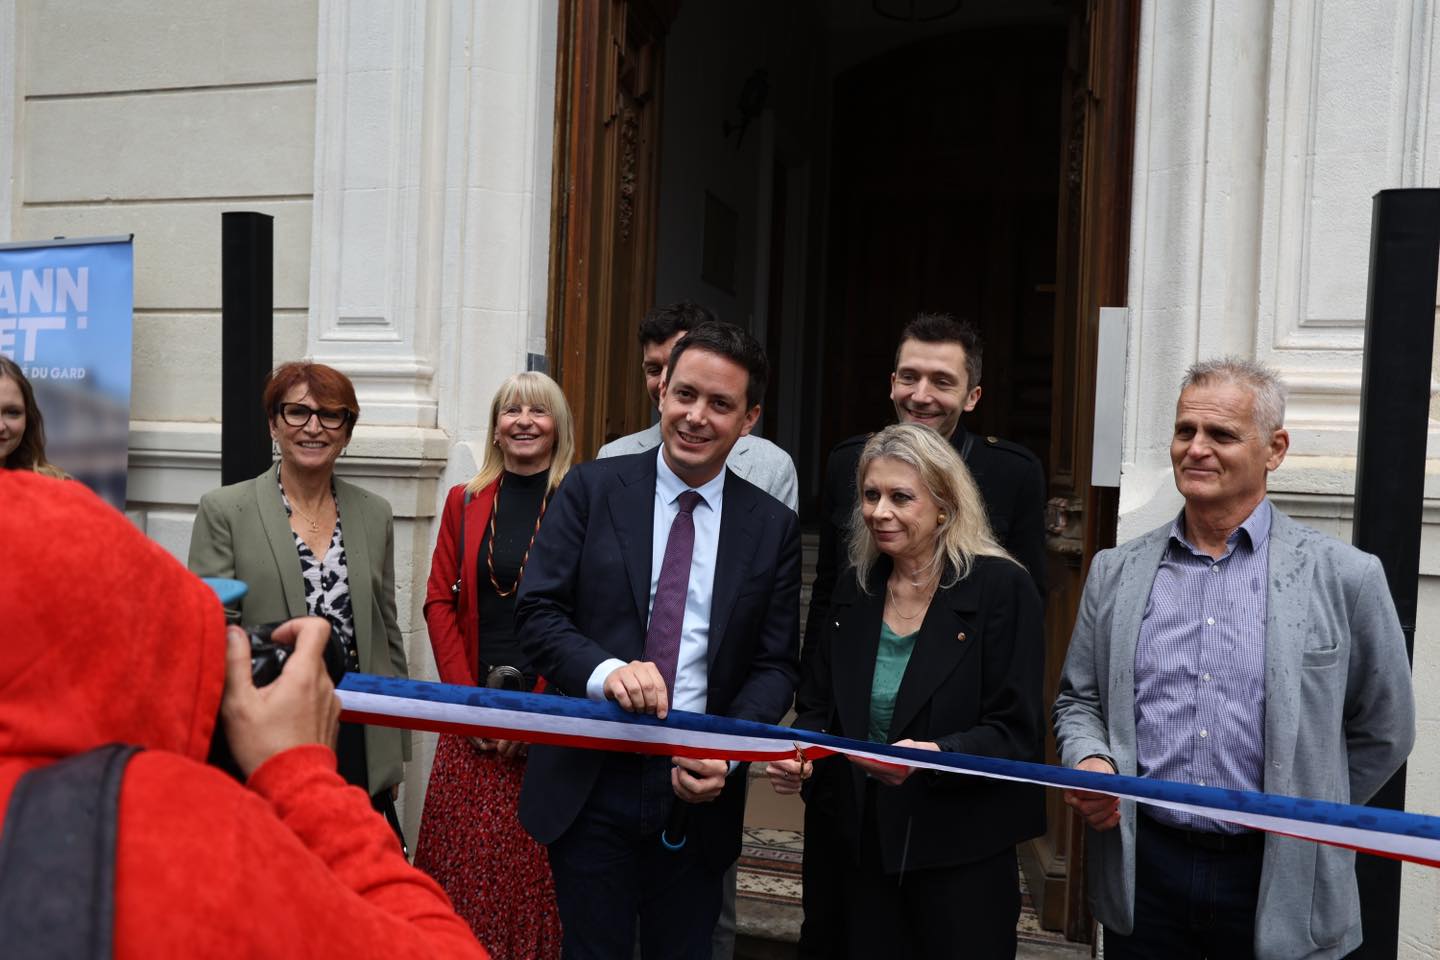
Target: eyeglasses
298,414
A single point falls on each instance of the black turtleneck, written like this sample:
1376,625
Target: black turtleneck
517,504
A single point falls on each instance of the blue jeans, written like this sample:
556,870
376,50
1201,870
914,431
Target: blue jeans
611,870
1190,902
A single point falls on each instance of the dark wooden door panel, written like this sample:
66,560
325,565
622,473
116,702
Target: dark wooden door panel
606,184
943,198
1094,238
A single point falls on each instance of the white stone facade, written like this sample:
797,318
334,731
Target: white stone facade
1262,132
405,151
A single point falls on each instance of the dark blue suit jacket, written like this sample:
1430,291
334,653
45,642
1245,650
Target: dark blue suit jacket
585,598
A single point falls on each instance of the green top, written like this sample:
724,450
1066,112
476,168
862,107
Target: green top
890,662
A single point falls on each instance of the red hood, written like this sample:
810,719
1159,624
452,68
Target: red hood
104,637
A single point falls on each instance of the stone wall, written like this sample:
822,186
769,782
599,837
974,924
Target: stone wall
1263,130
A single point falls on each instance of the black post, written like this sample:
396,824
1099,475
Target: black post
247,320
1390,468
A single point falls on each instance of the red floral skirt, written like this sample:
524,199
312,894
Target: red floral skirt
472,843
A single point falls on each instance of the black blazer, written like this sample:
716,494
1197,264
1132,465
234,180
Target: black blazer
973,685
586,598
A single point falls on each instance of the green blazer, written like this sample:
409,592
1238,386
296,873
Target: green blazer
241,531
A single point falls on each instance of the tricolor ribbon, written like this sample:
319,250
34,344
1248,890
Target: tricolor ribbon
573,722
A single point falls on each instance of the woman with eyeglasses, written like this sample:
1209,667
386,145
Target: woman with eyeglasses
471,840
308,543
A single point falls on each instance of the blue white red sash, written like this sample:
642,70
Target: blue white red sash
573,722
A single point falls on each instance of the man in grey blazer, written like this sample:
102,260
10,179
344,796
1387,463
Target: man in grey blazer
753,458
1235,648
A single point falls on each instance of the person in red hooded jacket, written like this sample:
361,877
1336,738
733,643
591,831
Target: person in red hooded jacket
106,638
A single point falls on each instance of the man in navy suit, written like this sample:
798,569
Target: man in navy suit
660,580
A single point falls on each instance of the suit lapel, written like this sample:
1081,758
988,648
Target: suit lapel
358,562
1286,627
945,641
853,664
1132,594
632,513
732,559
271,510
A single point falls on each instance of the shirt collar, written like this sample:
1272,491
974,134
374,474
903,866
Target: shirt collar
1256,528
669,486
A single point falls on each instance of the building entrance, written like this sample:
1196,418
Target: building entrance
820,171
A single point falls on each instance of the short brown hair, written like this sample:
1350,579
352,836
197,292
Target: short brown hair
328,387
661,323
945,328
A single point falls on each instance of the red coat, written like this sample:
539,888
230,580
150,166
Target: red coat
106,638
454,620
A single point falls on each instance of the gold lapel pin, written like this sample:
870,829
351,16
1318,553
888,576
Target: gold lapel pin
960,636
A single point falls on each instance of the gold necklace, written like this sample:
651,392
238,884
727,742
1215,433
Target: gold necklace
490,553
895,604
314,524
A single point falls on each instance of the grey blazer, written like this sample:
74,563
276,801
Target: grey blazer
754,458
241,531
1339,720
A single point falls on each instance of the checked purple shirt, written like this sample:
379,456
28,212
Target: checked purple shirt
1200,667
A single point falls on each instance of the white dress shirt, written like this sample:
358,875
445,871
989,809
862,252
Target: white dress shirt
692,669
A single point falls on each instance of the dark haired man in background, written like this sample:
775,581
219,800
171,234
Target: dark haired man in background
660,580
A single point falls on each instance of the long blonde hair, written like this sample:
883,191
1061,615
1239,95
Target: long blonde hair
965,533
536,389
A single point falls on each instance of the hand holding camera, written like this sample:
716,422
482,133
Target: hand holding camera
299,707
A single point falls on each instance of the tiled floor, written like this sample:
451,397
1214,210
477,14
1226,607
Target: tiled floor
768,895
770,866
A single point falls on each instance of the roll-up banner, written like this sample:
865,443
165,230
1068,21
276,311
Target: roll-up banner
66,313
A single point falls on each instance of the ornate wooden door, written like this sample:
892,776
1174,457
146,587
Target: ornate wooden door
1094,237
943,197
606,182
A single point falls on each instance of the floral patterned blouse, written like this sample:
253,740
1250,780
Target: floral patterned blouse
327,584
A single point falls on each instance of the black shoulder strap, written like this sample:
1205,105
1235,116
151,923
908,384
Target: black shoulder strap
57,858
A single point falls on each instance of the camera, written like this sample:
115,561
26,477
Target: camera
267,658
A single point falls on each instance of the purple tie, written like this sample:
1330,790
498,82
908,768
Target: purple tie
667,613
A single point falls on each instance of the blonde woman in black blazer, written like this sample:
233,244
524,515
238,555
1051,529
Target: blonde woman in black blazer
934,641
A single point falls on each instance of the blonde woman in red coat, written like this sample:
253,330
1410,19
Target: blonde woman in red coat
471,840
